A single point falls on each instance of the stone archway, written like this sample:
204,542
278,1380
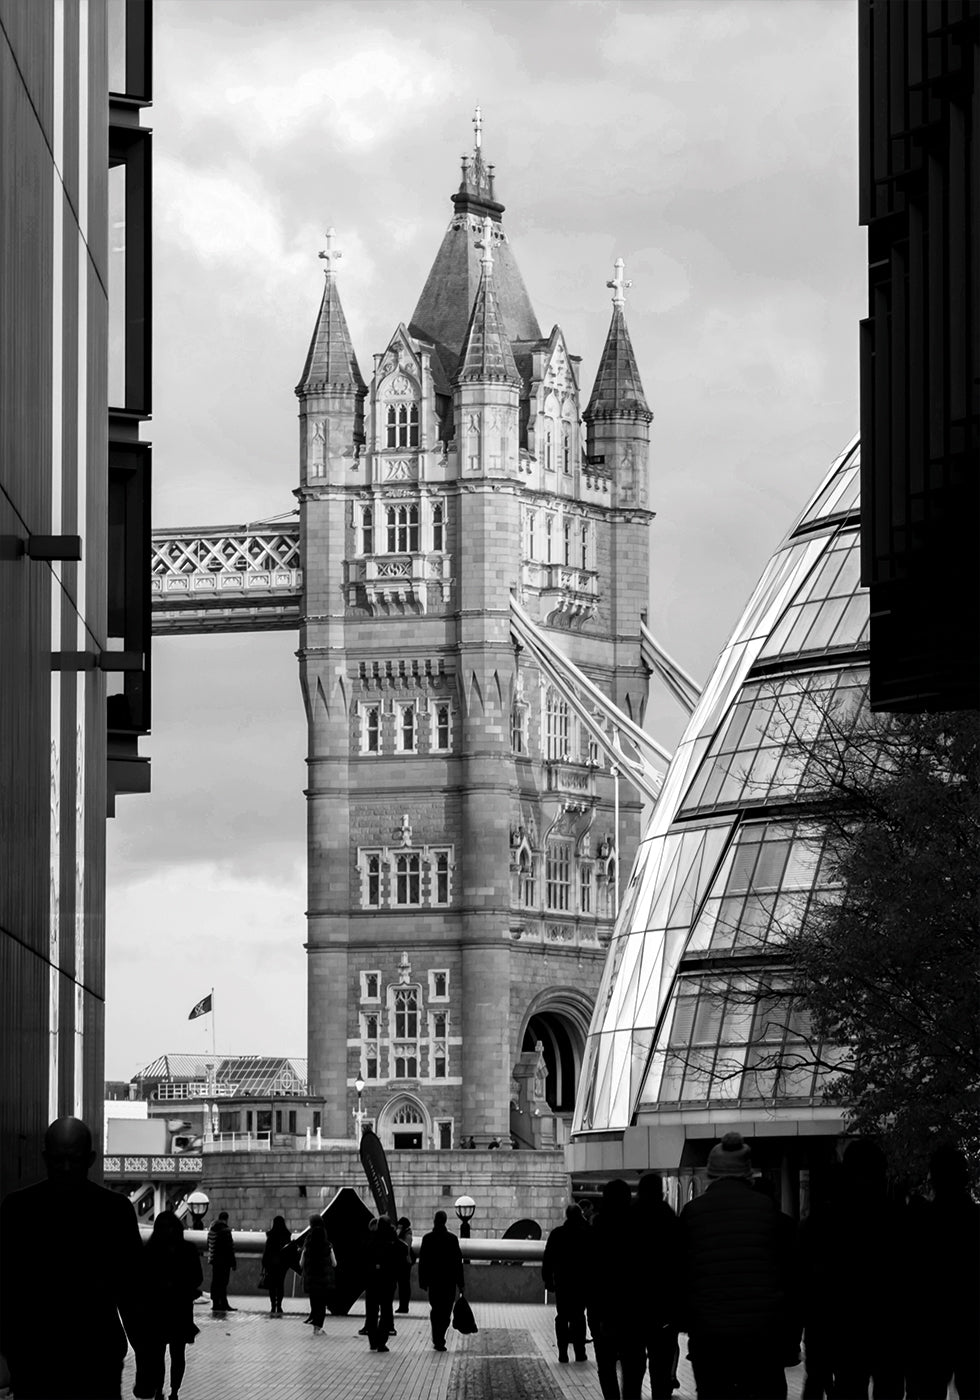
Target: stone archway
559,1019
404,1125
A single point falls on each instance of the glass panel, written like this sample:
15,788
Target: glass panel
117,284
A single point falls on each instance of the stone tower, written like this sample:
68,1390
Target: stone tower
463,853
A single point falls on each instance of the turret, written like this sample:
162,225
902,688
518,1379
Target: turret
486,387
618,417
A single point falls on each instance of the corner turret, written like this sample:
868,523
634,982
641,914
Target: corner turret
331,389
618,417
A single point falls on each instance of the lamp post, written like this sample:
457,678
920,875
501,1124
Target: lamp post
197,1204
465,1206
359,1111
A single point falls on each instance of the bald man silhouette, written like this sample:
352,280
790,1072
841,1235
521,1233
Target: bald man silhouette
71,1267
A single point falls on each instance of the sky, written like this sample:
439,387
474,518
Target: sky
713,146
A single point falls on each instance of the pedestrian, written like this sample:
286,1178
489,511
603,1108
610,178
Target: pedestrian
942,1322
656,1238
275,1263
174,1279
72,1279
384,1255
863,1247
789,1244
734,1282
816,1283
440,1274
221,1257
318,1264
613,1306
404,1231
565,1271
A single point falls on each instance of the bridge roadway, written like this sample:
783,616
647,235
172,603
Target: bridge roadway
248,1355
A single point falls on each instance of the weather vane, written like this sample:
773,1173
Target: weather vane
330,253
477,128
619,284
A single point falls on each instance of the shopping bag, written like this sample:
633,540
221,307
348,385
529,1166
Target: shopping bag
463,1319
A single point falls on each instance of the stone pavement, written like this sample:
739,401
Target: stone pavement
248,1355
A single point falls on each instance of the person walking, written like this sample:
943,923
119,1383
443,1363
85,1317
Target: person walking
735,1279
404,1231
440,1274
72,1279
174,1278
565,1271
221,1257
384,1256
613,1300
656,1238
275,1263
318,1266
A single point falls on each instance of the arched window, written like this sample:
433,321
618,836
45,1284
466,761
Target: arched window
584,545
549,448
402,425
391,424
367,530
566,530
408,890
526,880
374,881
558,885
440,878
402,529
438,527
557,727
566,447
406,1013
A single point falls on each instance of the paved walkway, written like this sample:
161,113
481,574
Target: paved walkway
248,1355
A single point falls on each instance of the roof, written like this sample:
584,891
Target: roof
330,360
486,354
618,391
252,1074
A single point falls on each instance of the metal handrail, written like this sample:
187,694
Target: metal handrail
253,1242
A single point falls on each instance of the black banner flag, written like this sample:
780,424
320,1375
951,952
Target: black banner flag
375,1165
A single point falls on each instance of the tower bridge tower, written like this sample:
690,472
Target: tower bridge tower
465,840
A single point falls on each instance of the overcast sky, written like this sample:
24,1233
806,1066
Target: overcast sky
711,145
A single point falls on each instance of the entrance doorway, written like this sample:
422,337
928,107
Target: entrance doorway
561,1057
403,1126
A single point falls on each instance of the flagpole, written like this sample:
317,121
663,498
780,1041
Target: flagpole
213,1051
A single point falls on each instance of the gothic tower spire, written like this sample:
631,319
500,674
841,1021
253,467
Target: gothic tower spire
330,360
618,392
486,356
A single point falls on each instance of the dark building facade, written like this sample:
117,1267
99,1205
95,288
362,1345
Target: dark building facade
920,202
75,540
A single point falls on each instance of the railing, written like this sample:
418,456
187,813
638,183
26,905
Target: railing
253,1242
238,1142
147,1165
197,1089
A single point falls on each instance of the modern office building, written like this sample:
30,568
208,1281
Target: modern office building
74,588
920,350
694,1032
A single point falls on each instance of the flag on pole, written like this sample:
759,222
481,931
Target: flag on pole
202,1008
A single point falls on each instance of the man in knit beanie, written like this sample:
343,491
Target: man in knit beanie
735,1273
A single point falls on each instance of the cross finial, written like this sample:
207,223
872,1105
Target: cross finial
330,253
486,243
477,128
619,284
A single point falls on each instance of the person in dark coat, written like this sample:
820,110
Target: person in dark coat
656,1238
613,1299
318,1266
734,1282
565,1270
385,1253
221,1257
72,1279
862,1249
404,1232
944,1312
275,1263
440,1274
174,1278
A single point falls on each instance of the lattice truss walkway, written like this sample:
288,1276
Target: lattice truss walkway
247,578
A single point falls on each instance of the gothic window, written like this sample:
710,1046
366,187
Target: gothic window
473,442
442,726
585,888
438,984
549,538
566,448
370,729
367,530
526,881
406,732
557,727
566,530
444,1131
370,986
370,1037
402,529
440,877
438,527
406,1062
549,448
373,899
406,1004
584,546
408,880
518,727
402,425
558,875
530,534
440,1061
440,1021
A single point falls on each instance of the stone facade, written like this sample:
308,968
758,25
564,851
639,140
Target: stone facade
463,856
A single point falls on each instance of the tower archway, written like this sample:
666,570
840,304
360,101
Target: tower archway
559,1019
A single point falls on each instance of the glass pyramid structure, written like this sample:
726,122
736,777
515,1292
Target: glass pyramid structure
684,1041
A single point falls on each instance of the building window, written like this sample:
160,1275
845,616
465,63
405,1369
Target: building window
402,425
566,448
558,875
370,729
585,888
584,546
367,530
402,529
444,1133
557,727
530,534
442,726
526,881
408,880
406,732
406,1002
438,527
406,1062
566,551
370,1036
440,1062
440,880
549,449
370,986
549,538
473,442
438,985
373,897
518,727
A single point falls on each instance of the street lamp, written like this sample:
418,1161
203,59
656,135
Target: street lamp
197,1204
465,1206
358,1111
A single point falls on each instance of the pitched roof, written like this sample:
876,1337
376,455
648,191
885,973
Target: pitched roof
330,360
252,1074
486,356
618,391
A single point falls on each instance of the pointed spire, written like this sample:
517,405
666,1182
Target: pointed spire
477,182
486,356
330,360
618,390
